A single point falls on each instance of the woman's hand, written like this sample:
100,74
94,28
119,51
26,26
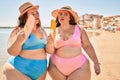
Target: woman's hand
97,68
50,39
50,45
21,36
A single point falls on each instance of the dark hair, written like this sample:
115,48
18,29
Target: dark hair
72,20
22,20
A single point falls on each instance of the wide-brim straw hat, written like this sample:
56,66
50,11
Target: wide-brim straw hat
25,7
66,8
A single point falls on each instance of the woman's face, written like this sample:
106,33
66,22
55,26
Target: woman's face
35,13
63,17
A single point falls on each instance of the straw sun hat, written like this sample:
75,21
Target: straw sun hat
66,8
25,7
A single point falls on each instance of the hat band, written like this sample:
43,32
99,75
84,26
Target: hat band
66,8
27,8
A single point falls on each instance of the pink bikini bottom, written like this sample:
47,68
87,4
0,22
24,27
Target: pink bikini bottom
68,65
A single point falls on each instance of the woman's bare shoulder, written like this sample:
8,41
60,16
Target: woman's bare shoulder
14,31
81,28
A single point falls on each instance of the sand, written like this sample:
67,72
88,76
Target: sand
107,47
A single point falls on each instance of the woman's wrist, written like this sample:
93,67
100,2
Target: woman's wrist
50,44
97,63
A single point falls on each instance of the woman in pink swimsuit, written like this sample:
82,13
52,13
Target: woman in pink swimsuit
67,61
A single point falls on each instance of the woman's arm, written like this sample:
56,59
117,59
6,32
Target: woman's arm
50,45
87,46
15,42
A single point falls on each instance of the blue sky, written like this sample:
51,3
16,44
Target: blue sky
9,9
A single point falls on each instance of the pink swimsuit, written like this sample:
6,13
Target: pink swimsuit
74,41
69,65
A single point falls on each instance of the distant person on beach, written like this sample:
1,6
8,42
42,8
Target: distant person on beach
67,61
29,59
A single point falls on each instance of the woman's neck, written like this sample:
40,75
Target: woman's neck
35,28
65,26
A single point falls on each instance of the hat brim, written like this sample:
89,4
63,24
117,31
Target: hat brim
33,7
74,14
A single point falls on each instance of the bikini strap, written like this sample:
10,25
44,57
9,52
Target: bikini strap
43,33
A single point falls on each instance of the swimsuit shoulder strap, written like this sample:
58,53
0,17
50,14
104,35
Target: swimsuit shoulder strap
43,31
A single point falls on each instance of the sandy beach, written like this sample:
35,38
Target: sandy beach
107,47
